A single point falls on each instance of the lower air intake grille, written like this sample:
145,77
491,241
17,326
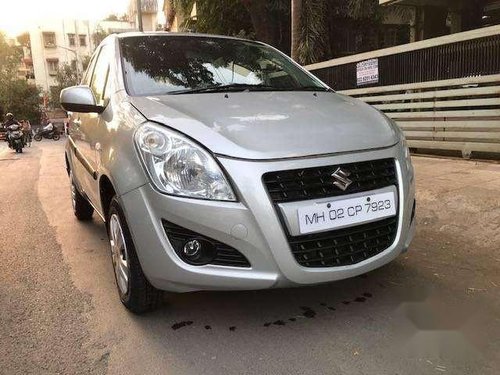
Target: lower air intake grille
225,255
344,247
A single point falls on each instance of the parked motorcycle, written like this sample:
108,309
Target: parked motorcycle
15,137
49,134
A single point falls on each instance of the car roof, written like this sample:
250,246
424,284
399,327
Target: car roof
176,34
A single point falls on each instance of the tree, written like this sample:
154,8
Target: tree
313,38
85,62
99,35
16,95
112,17
10,56
24,39
265,20
66,76
296,28
312,30
23,100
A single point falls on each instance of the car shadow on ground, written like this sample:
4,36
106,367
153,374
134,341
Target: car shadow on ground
270,308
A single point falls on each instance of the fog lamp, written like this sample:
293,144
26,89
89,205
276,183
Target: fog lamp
192,248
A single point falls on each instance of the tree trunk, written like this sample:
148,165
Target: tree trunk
262,20
170,13
296,11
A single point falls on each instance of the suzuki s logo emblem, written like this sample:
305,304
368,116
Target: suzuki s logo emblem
341,179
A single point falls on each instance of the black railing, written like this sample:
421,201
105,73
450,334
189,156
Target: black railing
469,58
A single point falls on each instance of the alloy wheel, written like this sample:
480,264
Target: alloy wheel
119,253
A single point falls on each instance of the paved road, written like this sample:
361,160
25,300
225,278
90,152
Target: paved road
434,310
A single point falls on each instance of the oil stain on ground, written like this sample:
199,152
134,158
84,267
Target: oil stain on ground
307,312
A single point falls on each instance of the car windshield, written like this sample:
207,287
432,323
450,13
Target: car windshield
156,65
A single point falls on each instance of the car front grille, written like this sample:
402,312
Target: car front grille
315,183
344,247
225,255
338,247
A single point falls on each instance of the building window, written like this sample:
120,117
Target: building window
49,40
71,40
82,39
73,65
52,65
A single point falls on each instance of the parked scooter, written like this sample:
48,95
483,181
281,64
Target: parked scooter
49,134
15,137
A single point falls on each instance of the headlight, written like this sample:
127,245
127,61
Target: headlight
403,144
180,167
406,150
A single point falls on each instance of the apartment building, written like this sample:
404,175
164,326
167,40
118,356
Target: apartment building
57,42
149,10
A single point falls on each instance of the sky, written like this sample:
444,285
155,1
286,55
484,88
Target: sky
17,15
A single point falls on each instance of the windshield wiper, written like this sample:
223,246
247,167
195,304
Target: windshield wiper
311,88
246,86
224,88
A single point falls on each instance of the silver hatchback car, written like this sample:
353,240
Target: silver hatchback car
220,164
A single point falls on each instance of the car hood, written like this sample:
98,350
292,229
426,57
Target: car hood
271,125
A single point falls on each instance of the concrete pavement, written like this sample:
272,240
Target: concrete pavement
434,310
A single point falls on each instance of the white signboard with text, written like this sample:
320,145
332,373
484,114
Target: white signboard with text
367,72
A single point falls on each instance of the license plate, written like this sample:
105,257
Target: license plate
347,212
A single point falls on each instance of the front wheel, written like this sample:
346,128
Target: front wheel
37,137
56,137
135,291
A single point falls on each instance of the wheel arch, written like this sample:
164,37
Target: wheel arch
106,193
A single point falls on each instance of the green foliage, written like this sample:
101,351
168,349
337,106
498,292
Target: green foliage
313,33
16,95
321,21
265,20
9,59
85,62
66,76
98,36
269,21
22,99
112,17
224,17
24,39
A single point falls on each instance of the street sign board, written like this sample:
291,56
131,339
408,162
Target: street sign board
367,72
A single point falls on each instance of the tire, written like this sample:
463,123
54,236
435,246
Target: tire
82,209
56,137
37,137
135,291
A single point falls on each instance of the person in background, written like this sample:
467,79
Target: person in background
9,120
27,132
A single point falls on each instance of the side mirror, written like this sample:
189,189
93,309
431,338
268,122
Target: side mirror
79,99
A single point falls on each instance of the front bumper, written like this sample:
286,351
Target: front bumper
251,226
